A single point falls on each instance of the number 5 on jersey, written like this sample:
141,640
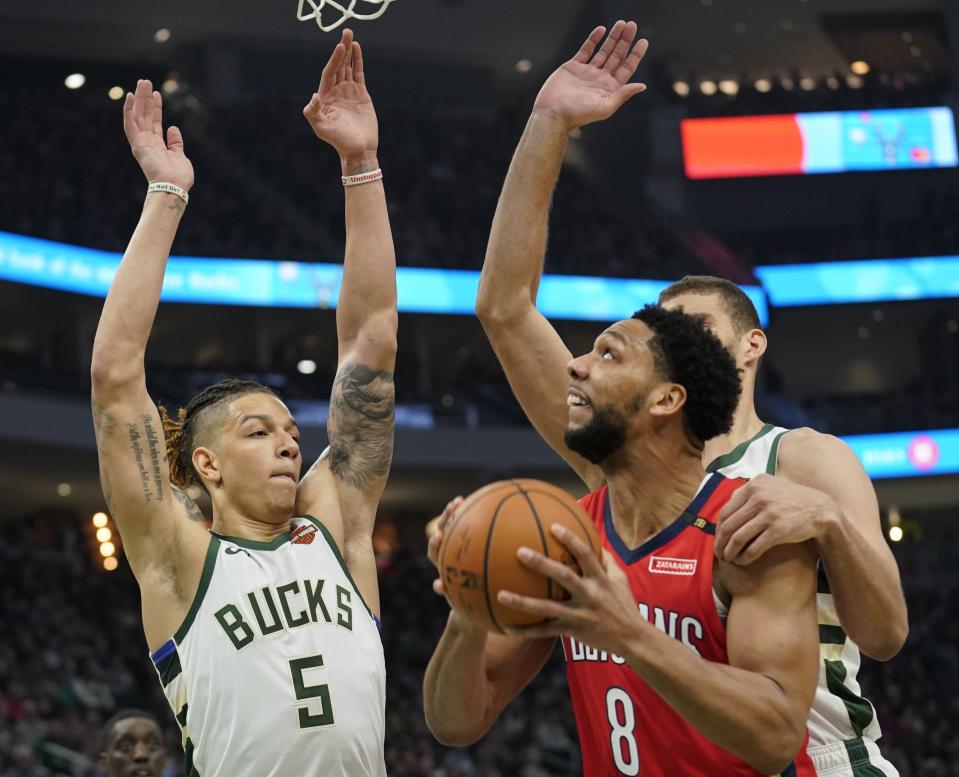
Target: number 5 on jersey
304,692
622,721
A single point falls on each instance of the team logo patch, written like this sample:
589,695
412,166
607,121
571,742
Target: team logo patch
662,565
303,535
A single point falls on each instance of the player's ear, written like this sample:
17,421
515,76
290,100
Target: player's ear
754,346
667,399
207,465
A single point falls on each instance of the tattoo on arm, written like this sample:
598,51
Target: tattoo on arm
151,479
361,424
189,506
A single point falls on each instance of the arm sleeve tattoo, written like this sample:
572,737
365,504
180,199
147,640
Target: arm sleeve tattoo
360,424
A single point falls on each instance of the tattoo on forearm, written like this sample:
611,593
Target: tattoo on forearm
189,506
361,424
177,204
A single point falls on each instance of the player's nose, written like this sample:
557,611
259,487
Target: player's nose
576,368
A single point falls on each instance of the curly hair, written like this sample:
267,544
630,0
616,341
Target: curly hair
183,431
736,302
687,353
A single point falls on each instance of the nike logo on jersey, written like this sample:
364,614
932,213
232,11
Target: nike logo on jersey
231,551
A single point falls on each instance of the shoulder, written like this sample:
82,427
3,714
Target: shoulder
807,456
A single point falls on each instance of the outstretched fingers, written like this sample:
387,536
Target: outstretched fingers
621,49
606,50
346,69
585,52
332,68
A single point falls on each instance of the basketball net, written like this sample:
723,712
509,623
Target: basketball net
345,9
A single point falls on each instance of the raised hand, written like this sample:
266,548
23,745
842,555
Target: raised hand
593,85
341,111
143,125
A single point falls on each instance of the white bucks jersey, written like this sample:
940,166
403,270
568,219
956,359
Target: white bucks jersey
277,670
842,724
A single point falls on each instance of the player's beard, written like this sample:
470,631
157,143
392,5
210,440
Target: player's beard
599,439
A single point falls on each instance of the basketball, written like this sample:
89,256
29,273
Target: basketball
478,555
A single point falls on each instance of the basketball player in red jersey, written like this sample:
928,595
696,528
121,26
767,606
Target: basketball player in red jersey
678,663
806,487
735,699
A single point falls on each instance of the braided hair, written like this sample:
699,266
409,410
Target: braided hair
181,432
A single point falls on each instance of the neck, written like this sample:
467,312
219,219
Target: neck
746,424
230,521
651,484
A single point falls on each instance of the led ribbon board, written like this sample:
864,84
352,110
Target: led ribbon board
281,284
827,142
907,454
875,280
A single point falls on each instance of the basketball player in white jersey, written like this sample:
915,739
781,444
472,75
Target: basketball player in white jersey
263,630
808,486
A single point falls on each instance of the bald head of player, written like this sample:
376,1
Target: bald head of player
133,745
240,442
660,374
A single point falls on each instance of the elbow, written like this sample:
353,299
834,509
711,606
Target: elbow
110,375
497,312
776,751
885,645
452,733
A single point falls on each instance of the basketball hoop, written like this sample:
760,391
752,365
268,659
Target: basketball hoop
345,8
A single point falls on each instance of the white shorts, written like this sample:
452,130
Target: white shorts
852,758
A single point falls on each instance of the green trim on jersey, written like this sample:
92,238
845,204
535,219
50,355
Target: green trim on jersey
339,557
276,542
189,769
773,459
831,635
860,711
859,759
738,452
211,553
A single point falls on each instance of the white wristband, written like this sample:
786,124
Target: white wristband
356,180
170,188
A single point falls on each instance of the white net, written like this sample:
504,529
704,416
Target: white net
338,12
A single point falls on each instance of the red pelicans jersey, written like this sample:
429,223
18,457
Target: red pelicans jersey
625,727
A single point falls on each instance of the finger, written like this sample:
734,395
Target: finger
358,74
438,587
746,514
581,551
607,48
433,546
755,549
129,123
624,93
554,570
628,69
174,139
143,105
328,77
158,115
347,43
741,539
589,45
545,608
736,501
448,511
621,50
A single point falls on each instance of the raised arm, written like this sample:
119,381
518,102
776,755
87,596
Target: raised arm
822,493
355,466
130,443
489,670
590,87
756,705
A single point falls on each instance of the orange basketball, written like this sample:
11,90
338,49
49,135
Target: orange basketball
478,555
